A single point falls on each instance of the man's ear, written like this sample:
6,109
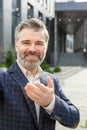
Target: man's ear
46,47
16,46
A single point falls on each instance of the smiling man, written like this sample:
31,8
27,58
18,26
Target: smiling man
31,48
31,99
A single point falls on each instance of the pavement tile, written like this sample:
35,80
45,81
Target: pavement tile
75,88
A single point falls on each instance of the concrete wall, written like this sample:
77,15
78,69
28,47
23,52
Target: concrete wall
6,23
23,9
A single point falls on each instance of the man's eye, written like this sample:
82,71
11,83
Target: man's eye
25,43
40,43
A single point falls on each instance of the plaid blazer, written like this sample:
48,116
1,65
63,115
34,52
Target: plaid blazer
17,111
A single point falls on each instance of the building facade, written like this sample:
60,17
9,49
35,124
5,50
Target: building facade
70,28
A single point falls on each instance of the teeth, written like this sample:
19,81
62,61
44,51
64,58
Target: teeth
32,57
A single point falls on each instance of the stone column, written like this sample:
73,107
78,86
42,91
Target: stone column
55,42
85,34
23,9
6,23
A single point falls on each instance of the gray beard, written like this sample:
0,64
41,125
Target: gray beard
30,65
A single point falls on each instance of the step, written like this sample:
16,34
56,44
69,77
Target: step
69,71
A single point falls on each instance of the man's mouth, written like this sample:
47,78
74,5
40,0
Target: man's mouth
31,57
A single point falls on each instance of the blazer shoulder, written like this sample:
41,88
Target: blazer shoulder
52,76
45,74
3,70
3,75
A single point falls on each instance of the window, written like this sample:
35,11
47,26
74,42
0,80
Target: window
40,15
16,15
30,12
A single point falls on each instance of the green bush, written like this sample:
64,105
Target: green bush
10,56
3,66
86,124
56,69
46,67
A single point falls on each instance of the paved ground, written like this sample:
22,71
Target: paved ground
75,87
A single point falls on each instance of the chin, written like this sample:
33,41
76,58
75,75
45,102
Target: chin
32,65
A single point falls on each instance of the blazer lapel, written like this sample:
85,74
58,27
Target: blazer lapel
21,80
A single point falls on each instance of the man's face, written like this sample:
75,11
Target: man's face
31,48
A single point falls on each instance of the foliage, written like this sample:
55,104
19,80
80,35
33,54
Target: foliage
85,124
3,66
46,67
56,69
10,56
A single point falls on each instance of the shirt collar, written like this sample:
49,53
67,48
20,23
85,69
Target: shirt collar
28,74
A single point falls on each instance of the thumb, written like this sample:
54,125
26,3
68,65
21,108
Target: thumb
50,82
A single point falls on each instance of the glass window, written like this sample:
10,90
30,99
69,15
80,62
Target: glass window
40,15
16,15
30,12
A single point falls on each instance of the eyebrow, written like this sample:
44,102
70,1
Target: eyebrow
29,41
25,41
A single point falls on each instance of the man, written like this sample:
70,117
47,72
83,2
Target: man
31,99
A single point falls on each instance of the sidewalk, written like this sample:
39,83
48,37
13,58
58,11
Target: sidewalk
75,88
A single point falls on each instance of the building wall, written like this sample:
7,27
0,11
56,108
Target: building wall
0,23
6,23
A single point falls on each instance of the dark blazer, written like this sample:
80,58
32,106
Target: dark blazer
17,111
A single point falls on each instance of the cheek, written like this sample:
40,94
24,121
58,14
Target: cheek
19,49
42,52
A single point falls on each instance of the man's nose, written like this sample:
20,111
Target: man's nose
32,47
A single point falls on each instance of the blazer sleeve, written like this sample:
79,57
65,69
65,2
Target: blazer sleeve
64,111
1,91
3,72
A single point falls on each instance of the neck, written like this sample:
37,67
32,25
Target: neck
32,71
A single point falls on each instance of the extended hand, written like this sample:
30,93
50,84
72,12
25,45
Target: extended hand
40,93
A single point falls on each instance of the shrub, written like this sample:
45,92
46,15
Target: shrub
56,69
46,67
10,56
86,124
3,66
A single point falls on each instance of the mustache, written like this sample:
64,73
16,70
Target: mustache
31,54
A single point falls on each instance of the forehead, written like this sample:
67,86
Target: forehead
27,34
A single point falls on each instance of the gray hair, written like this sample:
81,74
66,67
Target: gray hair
32,23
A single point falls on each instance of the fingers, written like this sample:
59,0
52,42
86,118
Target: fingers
40,93
33,92
50,82
41,86
31,88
